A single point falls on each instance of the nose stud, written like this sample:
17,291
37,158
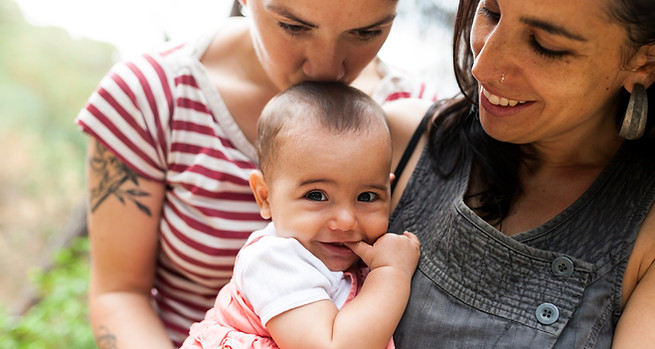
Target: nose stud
502,78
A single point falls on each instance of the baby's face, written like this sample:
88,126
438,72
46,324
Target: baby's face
326,189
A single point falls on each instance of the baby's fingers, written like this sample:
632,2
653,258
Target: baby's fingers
415,245
362,249
413,238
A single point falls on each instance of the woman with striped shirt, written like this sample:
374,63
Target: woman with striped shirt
171,149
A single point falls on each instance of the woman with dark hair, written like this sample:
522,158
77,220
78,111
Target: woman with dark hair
532,193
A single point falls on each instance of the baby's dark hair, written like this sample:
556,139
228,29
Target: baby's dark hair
333,106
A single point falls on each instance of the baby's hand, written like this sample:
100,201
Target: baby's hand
398,251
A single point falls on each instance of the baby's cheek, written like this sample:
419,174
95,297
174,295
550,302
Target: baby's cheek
377,226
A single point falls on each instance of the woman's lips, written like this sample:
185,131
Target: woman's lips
501,106
501,101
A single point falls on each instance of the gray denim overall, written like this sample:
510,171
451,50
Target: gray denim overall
555,286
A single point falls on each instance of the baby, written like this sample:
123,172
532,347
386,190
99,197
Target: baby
324,179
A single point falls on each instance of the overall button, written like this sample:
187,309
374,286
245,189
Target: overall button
562,266
547,313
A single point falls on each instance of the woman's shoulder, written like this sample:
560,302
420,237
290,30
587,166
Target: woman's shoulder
229,43
644,248
404,116
176,57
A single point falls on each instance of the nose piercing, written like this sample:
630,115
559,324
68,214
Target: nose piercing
502,78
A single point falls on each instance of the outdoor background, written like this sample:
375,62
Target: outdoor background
52,55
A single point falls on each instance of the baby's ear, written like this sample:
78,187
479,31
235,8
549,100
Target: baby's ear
261,192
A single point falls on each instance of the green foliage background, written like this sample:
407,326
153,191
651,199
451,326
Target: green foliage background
45,79
60,319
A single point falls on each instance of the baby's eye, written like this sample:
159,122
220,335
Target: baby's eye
367,196
316,196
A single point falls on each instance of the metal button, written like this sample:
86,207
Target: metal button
547,313
562,266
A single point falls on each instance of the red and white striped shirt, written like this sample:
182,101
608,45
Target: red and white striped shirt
162,116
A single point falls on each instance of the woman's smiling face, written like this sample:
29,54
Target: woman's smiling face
547,70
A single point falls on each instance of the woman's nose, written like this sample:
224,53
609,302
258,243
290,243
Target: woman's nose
324,61
492,57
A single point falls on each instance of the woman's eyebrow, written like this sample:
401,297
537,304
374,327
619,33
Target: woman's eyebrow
287,13
383,21
553,29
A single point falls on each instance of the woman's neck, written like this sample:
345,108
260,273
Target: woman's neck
585,146
553,178
235,71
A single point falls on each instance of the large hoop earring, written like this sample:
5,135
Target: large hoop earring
634,121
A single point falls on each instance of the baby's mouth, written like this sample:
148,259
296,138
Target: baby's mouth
337,248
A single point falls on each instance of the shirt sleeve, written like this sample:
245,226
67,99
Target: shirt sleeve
128,113
278,274
399,84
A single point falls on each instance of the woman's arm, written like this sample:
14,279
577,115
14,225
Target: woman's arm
637,323
636,327
369,320
123,220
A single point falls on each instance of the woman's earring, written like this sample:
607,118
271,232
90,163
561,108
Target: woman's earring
634,121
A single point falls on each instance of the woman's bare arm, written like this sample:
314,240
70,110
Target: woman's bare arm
635,327
123,219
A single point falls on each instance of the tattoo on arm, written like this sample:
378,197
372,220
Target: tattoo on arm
114,173
105,339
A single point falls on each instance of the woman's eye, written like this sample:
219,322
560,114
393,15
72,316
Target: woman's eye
367,34
292,29
494,16
367,197
548,53
316,196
